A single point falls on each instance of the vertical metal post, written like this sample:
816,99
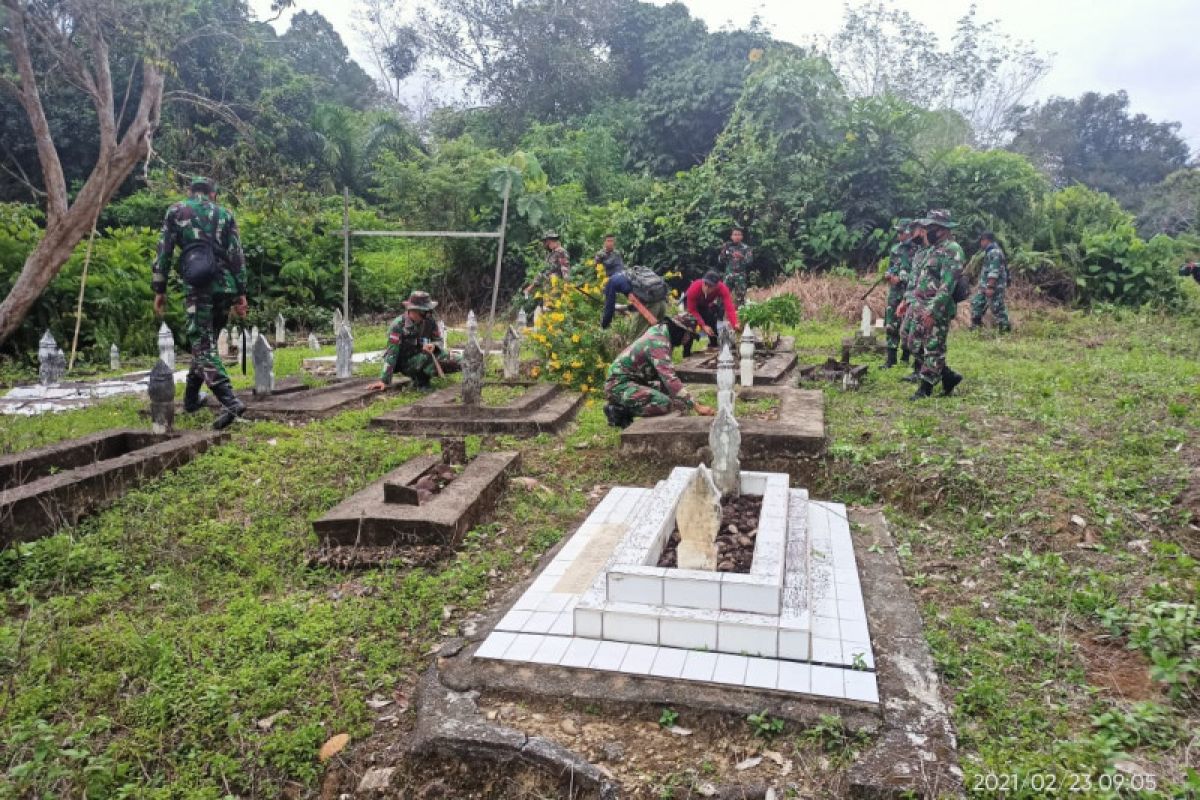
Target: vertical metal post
346,254
487,337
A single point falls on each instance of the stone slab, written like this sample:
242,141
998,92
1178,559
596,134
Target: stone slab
318,403
545,408
368,519
43,489
798,433
702,367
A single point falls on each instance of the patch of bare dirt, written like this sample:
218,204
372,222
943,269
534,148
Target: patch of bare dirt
1123,674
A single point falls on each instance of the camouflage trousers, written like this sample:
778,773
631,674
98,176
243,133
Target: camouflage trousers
207,313
735,279
909,329
930,347
980,303
420,366
891,320
641,400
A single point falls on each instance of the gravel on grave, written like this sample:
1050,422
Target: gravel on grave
735,542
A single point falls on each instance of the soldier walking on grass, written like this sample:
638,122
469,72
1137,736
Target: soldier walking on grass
993,278
642,382
213,270
933,304
415,347
735,258
898,272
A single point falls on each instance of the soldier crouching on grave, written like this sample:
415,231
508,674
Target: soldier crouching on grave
642,381
415,347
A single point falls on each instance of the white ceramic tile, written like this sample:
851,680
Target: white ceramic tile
794,645
699,665
623,627
641,589
687,634
750,596
563,624
555,602
529,601
668,663
827,651
556,567
851,608
552,650
753,482
539,622
850,649
825,627
855,630
755,640
762,673
827,681
684,592
609,656
795,677
545,583
589,623
730,669
579,652
638,659
523,647
513,621
861,686
495,644
825,607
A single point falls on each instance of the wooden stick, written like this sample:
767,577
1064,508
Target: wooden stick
645,312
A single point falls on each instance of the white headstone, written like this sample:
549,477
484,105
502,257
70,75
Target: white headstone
345,352
522,320
512,355
472,370
166,346
725,436
280,330
472,326
253,337
698,517
264,367
726,336
337,321
866,322
50,368
747,352
223,343
235,339
114,357
313,344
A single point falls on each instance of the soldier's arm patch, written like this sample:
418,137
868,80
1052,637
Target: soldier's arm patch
394,337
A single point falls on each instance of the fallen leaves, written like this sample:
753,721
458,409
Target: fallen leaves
333,746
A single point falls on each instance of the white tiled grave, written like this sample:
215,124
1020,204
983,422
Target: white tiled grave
796,623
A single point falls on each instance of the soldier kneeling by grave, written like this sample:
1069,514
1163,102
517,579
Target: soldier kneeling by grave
415,347
642,381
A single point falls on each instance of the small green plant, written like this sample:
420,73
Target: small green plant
769,316
860,662
668,718
1169,635
832,736
1142,725
764,725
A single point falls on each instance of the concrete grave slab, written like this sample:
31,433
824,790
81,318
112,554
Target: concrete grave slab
542,408
772,367
372,518
799,431
298,402
43,489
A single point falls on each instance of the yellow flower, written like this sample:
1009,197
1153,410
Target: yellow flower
575,338
567,376
577,363
558,316
535,371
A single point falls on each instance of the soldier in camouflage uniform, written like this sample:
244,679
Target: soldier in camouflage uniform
898,269
195,223
414,344
993,278
735,257
933,304
642,381
904,312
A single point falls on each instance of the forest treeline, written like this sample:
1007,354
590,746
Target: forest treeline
602,116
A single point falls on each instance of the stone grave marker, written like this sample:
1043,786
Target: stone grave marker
345,352
512,355
264,367
253,337
522,320
49,371
866,322
337,321
725,438
114,357
726,337
223,343
472,326
166,346
161,388
748,342
313,344
698,517
472,369
280,330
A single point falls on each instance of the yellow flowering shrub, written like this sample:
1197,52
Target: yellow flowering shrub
571,348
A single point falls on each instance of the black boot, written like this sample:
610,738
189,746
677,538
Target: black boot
904,354
891,358
232,407
976,324
950,379
193,398
618,416
915,375
924,389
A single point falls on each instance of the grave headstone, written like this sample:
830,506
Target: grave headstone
337,321
253,338
264,367
454,450
472,369
866,322
166,346
223,343
114,357
749,340
698,517
512,355
725,436
442,331
345,351
280,330
522,320
161,388
472,326
235,339
313,344
50,371
726,337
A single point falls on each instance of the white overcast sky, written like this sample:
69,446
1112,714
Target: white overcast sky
1150,48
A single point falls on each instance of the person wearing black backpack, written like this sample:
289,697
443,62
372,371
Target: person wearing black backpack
641,282
213,270
935,303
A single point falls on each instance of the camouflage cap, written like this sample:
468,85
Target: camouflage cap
548,235
685,320
420,301
201,182
939,217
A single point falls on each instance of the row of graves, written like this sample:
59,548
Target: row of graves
721,589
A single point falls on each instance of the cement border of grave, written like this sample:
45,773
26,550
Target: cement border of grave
367,519
914,749
798,433
436,416
35,502
805,374
302,403
774,371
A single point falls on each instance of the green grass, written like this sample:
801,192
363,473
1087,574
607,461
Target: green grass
138,648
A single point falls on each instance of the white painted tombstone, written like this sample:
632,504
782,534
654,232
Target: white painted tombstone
522,320
313,344
345,352
50,368
726,336
472,369
698,517
866,322
472,326
264,367
337,321
725,436
223,343
235,339
253,338
280,330
166,346
747,351
114,357
512,355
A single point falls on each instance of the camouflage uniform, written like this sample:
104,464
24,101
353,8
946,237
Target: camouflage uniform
900,265
736,260
558,264
994,276
404,353
934,295
643,379
908,326
208,306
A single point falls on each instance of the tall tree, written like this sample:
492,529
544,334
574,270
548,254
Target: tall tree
75,37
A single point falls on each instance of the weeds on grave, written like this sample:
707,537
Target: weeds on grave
764,725
668,718
831,734
1169,635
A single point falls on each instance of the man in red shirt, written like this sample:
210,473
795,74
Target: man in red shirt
704,300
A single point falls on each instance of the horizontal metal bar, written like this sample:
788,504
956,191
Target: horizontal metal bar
448,234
